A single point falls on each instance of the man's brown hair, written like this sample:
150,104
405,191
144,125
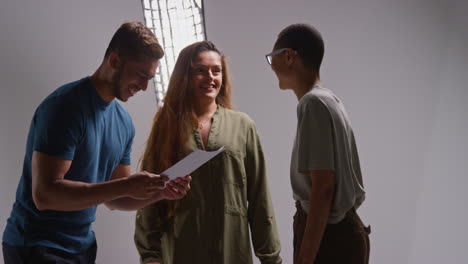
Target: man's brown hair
134,41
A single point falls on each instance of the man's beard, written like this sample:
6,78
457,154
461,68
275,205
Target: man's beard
116,84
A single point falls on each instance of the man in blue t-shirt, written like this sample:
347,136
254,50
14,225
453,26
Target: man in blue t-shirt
78,156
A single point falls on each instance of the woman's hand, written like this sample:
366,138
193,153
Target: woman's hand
176,189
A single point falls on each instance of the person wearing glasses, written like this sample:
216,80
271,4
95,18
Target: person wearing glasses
325,170
78,156
229,202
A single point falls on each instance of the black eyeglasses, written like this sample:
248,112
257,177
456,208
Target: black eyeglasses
269,56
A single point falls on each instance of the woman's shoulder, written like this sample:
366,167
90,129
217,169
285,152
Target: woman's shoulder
237,116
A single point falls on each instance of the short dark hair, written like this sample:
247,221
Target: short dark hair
306,41
133,40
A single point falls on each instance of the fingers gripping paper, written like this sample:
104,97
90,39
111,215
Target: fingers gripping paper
190,163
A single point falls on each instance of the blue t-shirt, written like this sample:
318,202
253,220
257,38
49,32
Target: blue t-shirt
72,123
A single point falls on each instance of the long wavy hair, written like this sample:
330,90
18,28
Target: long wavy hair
174,122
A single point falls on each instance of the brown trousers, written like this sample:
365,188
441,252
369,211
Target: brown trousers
346,242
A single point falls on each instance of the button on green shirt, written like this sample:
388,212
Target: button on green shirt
228,195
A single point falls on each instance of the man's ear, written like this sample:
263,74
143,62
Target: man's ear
290,56
114,60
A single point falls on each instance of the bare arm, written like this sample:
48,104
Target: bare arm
51,191
173,190
127,203
321,196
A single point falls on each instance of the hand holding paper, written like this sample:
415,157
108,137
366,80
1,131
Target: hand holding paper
176,189
190,163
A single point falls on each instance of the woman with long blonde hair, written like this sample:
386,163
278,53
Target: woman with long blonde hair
229,194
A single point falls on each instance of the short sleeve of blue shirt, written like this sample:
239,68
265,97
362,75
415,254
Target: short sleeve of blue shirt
126,160
59,128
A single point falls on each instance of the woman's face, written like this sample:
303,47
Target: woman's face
207,76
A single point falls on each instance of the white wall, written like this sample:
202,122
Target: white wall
398,65
440,235
45,44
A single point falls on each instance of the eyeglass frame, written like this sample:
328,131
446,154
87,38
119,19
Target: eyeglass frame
269,56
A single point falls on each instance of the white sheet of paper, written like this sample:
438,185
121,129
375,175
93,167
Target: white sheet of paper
190,163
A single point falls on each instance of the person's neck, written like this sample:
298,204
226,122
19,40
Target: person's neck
305,85
206,110
102,81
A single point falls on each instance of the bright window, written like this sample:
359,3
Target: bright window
176,24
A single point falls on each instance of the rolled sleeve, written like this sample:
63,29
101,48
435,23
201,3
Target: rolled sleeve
148,233
260,211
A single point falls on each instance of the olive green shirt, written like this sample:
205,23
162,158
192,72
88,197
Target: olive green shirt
228,195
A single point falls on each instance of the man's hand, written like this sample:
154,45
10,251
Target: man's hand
143,185
176,189
321,196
